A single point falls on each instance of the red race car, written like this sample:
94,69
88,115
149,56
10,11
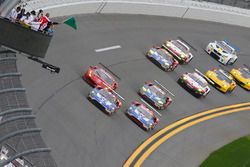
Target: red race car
96,76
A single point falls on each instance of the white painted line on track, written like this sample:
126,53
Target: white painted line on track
151,107
108,48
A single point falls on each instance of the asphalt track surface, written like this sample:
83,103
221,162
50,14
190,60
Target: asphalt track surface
81,135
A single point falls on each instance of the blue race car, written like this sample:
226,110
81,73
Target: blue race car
142,116
154,95
105,99
162,58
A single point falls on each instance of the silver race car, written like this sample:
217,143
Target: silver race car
222,51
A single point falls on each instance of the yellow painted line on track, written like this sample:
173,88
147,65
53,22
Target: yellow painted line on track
181,128
175,124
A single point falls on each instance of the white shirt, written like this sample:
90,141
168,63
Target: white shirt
13,15
27,20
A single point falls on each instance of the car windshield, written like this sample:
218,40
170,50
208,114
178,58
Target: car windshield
103,74
245,72
180,46
144,111
225,47
223,76
198,79
157,92
109,96
164,54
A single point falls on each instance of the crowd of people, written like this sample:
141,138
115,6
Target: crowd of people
34,20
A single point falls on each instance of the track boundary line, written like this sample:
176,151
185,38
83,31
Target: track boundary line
148,142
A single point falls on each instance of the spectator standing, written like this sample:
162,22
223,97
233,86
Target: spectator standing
20,15
13,14
44,21
39,14
49,28
25,20
35,24
32,15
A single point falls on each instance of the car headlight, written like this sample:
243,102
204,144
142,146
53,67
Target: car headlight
166,63
160,102
151,125
144,89
184,78
224,56
111,108
200,90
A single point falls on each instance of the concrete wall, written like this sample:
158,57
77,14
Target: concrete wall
171,8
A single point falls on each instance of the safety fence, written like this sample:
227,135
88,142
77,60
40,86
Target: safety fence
20,141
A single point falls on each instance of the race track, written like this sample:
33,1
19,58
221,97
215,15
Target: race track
78,132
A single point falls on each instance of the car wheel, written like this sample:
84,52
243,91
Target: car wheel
179,81
234,61
229,62
89,98
168,69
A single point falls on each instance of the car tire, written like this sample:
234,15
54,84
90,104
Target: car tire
229,63
89,98
179,81
234,61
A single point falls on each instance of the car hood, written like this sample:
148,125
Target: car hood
141,117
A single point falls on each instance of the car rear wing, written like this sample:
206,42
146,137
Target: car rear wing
158,83
115,75
186,43
246,66
231,45
226,71
183,44
114,92
204,76
152,108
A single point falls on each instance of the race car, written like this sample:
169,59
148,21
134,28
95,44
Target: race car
221,79
154,95
162,58
179,50
142,116
105,99
242,76
195,83
222,52
96,76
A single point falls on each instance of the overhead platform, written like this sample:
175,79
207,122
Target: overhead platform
22,39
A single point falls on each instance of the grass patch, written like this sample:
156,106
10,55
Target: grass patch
235,154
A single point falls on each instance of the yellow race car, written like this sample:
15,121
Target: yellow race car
221,80
242,76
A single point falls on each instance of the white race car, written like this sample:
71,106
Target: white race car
222,51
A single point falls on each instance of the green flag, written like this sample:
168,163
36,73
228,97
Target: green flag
71,22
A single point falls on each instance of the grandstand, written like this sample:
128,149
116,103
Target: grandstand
21,144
